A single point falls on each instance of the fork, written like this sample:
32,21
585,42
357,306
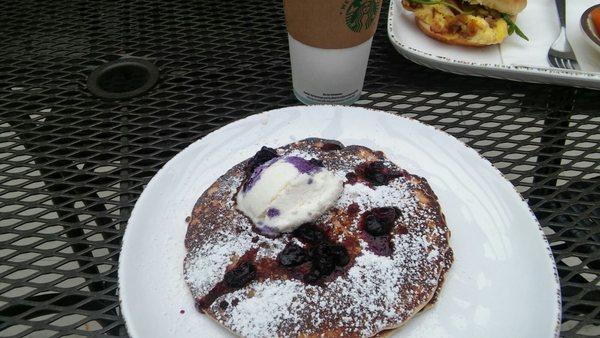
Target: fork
561,54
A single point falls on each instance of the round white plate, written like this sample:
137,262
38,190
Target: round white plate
502,284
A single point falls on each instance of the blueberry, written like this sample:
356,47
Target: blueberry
309,233
312,276
292,255
322,258
387,215
380,221
240,276
340,255
318,250
374,227
378,174
263,155
325,264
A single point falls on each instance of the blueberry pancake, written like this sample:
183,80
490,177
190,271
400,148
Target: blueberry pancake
316,239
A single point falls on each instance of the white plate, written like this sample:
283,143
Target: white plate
502,284
515,59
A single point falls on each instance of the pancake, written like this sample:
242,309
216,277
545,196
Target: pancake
386,279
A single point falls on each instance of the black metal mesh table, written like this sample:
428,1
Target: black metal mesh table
72,165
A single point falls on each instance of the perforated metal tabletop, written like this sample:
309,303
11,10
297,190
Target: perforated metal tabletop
72,165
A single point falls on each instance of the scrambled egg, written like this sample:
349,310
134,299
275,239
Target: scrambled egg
475,29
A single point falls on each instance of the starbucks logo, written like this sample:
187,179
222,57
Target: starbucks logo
360,14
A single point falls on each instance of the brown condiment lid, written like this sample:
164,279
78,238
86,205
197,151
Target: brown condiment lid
332,23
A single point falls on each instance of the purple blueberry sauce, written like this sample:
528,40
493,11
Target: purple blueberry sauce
319,251
266,230
261,156
303,166
257,173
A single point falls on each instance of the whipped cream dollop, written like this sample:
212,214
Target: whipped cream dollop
286,192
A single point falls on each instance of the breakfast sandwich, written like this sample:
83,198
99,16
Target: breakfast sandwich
467,22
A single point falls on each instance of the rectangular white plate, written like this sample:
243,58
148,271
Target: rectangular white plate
518,60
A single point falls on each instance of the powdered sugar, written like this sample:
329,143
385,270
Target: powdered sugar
433,254
231,190
263,314
371,288
207,263
268,248
307,155
397,193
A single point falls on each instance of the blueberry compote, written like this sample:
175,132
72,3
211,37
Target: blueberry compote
320,253
318,259
263,155
292,255
241,275
375,173
377,225
309,233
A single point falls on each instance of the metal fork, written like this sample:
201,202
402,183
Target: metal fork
561,54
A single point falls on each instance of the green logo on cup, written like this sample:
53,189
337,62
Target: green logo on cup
360,14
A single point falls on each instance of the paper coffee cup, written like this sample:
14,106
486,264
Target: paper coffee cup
330,42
